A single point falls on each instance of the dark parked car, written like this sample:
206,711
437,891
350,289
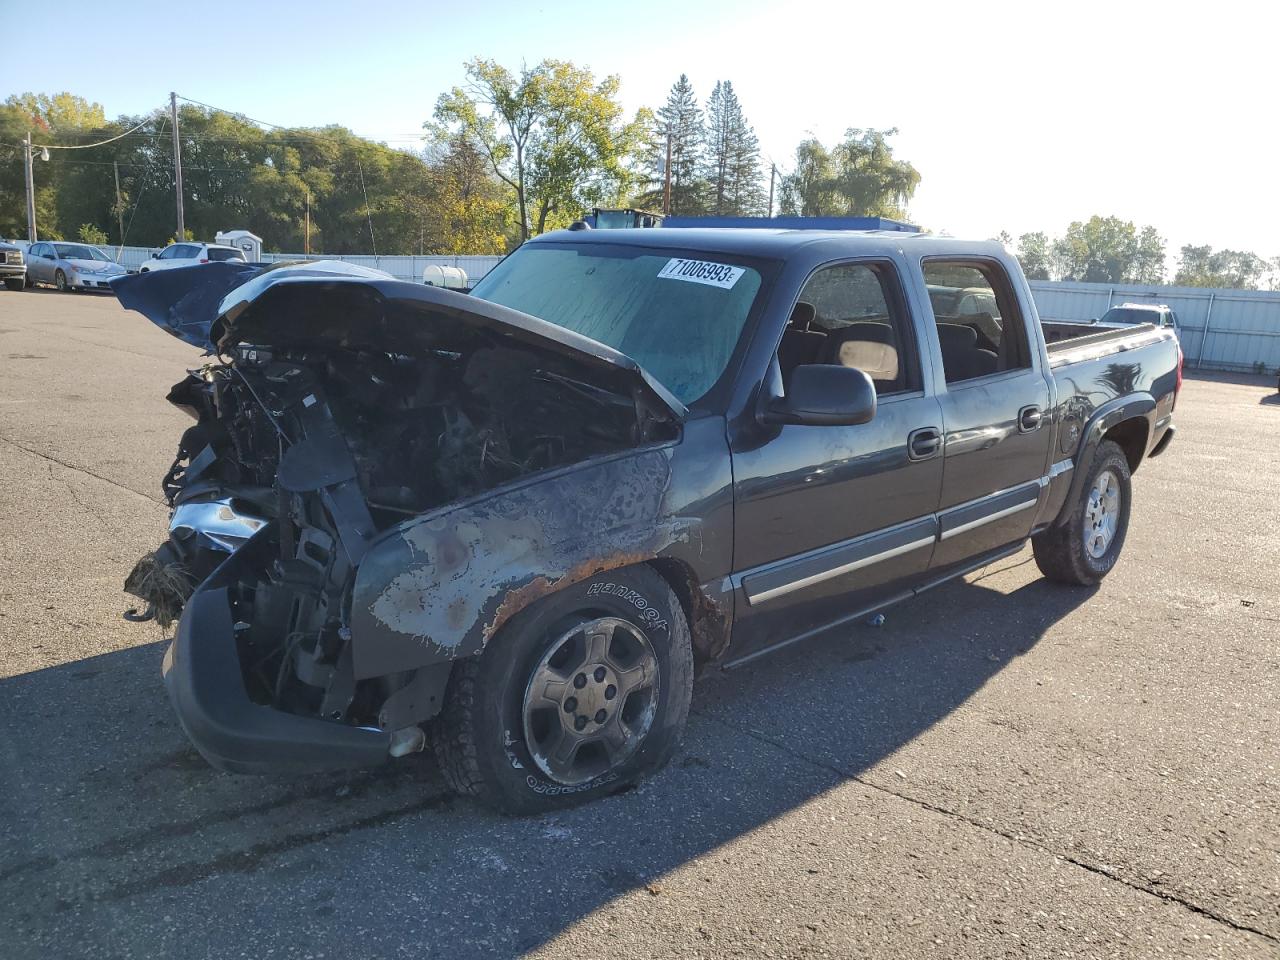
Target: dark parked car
511,524
13,265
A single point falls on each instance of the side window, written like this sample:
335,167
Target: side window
980,328
166,254
853,314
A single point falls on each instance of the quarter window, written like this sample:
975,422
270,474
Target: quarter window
980,328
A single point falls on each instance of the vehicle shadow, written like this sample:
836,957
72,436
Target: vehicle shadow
112,822
1271,399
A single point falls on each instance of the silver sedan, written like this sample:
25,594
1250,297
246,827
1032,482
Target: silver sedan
71,266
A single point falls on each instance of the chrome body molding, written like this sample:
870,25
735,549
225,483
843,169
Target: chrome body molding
989,518
844,568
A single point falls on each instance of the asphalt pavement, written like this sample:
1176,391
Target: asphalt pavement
1006,768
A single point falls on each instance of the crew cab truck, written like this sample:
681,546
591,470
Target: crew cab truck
510,525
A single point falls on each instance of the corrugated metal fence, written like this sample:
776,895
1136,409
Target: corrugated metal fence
1221,329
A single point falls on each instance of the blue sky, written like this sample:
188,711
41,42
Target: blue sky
1019,116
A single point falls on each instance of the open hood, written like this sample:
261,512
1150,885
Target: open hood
214,306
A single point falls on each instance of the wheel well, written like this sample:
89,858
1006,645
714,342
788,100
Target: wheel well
708,625
1131,436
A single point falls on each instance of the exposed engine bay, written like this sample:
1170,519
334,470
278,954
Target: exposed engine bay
313,442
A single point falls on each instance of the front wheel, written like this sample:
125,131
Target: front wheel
1083,549
16,284
60,281
577,697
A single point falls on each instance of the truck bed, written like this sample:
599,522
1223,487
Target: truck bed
1071,342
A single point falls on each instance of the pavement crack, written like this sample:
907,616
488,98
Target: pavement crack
79,469
1019,839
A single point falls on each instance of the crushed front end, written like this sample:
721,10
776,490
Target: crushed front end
335,410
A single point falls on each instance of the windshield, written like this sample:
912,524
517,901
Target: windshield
678,314
79,251
1131,315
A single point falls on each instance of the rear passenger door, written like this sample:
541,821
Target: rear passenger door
995,403
831,520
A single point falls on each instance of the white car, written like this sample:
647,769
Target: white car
188,255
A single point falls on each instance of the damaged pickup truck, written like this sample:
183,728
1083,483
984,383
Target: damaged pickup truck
508,526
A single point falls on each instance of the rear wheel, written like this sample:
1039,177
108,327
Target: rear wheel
582,694
1084,548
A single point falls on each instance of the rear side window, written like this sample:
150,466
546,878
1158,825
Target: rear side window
852,314
980,328
215,254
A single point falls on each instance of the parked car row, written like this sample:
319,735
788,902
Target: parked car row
81,266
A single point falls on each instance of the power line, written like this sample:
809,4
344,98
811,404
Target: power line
303,132
86,146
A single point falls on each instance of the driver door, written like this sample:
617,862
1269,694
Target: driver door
830,521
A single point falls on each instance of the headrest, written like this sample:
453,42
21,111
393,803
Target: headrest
802,315
956,336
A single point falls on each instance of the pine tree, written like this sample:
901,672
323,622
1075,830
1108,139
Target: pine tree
731,161
682,118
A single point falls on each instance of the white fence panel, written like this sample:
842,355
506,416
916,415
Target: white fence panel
1221,329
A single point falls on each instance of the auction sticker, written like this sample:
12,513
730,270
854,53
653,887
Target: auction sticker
701,271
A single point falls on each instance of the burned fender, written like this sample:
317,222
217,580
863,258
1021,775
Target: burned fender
442,586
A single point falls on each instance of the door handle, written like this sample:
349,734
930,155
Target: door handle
924,443
1029,419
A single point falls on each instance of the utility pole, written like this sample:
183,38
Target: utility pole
115,164
773,172
666,178
31,189
177,164
306,237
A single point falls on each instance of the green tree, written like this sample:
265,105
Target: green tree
860,177
869,180
1034,255
808,191
1109,250
581,154
91,233
553,133
1202,266
60,113
681,118
731,156
467,211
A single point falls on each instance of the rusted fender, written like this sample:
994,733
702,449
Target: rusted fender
442,585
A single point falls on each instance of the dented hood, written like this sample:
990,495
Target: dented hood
215,305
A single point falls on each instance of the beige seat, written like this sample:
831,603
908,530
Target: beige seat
869,346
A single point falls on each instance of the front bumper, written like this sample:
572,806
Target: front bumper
202,675
92,282
9,271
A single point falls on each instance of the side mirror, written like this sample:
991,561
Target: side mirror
825,395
